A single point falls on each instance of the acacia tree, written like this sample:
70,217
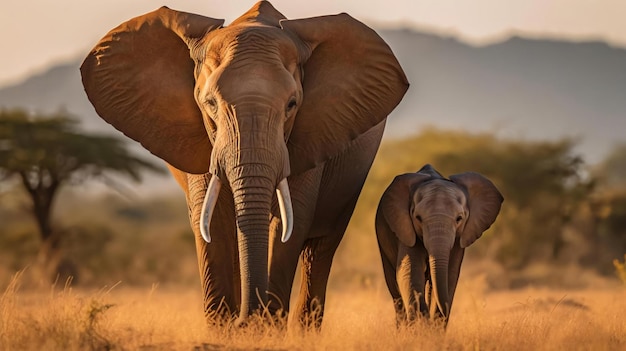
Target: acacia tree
609,210
613,169
46,152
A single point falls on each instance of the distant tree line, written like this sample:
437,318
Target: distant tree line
557,209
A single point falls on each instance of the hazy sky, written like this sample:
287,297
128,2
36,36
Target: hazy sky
40,32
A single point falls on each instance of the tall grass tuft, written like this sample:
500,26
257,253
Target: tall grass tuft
8,308
57,320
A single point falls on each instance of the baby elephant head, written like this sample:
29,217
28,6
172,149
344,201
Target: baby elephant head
440,213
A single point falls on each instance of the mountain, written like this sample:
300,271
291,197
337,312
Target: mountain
536,89
57,88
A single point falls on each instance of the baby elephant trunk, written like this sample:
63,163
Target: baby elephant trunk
439,242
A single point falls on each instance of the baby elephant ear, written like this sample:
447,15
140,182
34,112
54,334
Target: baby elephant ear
352,81
396,206
484,201
140,79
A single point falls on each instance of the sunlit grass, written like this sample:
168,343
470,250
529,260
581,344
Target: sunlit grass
167,318
620,269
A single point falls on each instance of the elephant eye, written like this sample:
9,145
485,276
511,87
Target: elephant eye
459,218
419,218
211,104
291,104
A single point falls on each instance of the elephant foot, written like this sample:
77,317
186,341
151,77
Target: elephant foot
311,318
419,321
219,315
219,320
439,322
276,320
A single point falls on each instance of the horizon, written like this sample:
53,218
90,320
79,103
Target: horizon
482,43
479,23
567,105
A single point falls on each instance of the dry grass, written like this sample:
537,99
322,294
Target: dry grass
160,318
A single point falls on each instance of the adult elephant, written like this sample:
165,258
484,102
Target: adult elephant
264,105
424,222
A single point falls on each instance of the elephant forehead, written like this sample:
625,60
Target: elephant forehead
440,193
236,84
249,60
252,44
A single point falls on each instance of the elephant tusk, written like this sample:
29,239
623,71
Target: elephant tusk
208,205
286,209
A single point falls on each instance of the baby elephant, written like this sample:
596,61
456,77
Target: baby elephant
424,222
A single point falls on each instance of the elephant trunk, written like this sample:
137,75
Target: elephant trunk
212,194
254,159
253,181
438,245
252,209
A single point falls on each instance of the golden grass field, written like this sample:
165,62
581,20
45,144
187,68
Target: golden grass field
169,318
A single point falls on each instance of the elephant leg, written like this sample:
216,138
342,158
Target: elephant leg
454,270
219,282
389,270
218,261
340,186
316,260
409,273
283,258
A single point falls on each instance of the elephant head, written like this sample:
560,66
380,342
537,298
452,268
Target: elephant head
251,103
440,213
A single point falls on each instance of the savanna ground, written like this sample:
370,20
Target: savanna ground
170,318
542,278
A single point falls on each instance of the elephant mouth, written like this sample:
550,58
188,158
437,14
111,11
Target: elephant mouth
212,194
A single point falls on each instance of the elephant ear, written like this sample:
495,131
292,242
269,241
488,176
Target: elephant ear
352,81
484,202
140,79
395,205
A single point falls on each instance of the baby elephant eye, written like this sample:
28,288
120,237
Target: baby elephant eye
459,218
419,218
291,104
